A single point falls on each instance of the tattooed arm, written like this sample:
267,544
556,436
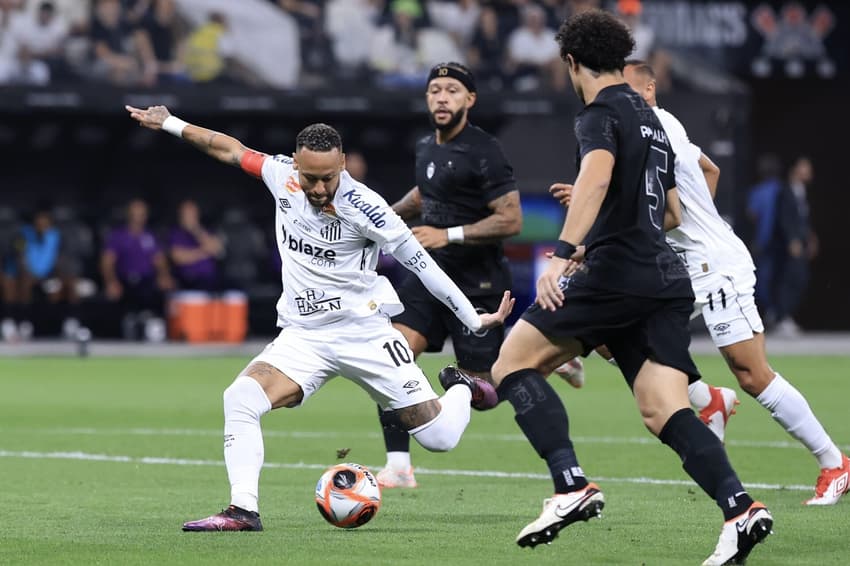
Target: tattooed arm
504,222
220,146
410,204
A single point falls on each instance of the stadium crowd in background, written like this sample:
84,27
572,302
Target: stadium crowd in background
136,43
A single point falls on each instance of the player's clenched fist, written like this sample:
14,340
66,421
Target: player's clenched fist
151,118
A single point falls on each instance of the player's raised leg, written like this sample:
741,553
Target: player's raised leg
748,361
259,389
541,415
398,471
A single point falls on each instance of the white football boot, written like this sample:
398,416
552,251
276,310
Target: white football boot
740,535
561,510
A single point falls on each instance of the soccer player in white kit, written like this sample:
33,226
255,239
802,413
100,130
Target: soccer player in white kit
723,279
334,310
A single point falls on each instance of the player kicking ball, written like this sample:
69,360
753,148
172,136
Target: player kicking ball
334,311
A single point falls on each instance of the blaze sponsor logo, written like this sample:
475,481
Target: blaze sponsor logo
311,301
320,256
372,211
292,185
332,232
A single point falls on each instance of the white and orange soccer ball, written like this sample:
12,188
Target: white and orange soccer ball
348,495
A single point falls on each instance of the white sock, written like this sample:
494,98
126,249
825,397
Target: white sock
244,403
789,408
699,394
398,461
444,431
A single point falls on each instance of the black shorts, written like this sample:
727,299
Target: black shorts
425,314
634,328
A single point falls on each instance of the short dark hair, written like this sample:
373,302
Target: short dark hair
318,137
641,67
597,40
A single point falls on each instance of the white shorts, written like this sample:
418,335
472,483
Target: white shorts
727,304
368,351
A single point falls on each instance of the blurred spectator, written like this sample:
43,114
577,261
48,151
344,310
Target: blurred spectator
75,14
799,244
35,270
316,56
120,53
646,49
459,18
486,53
762,204
135,10
350,24
533,55
41,44
629,12
355,164
194,251
135,274
395,47
208,51
163,29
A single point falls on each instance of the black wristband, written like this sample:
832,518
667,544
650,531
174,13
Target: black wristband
564,250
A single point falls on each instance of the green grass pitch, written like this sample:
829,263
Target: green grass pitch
101,460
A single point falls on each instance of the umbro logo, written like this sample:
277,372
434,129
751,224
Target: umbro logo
284,203
840,484
411,384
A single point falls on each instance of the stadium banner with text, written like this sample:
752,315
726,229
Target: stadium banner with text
758,39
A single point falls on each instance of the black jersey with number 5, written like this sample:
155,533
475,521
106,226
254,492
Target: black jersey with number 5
626,248
457,180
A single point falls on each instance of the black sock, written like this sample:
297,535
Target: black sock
704,459
396,439
542,417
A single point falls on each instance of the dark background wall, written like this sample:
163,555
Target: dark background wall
94,158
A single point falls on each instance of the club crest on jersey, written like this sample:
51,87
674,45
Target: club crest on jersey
332,232
370,210
284,204
292,185
429,171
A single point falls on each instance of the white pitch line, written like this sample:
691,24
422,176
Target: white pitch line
642,440
152,460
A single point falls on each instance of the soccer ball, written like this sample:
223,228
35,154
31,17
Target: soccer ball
348,495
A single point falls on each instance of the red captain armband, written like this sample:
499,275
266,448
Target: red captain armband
252,162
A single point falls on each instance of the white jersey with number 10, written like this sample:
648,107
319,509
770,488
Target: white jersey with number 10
329,256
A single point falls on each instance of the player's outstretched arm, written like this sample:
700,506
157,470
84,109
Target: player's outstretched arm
585,199
220,146
413,256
